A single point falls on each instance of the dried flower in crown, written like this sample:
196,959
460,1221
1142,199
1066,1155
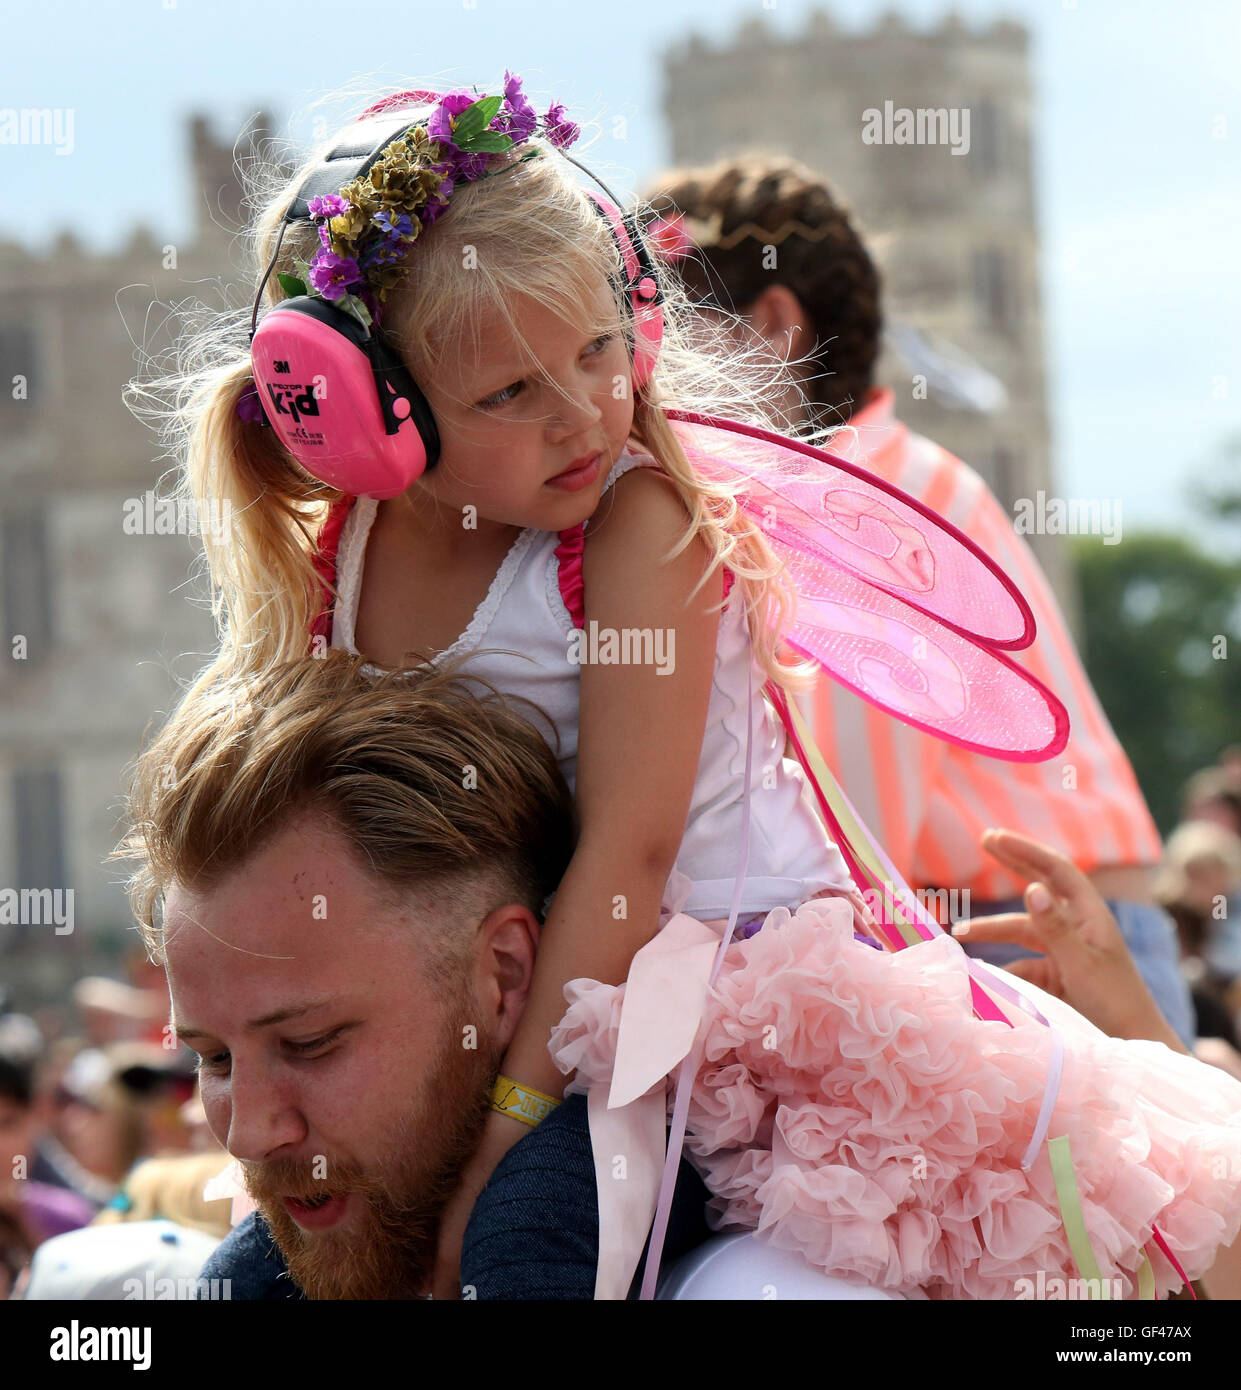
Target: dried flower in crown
366,229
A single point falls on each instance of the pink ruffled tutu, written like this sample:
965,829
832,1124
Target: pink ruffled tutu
850,1106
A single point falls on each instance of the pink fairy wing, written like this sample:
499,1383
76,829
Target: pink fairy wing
920,670
820,504
894,601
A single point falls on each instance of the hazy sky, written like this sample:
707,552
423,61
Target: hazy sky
1138,136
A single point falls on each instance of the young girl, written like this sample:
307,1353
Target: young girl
550,518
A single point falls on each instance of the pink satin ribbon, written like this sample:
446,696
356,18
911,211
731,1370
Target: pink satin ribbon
660,1023
659,1030
229,1184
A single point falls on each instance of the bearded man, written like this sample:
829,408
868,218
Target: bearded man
345,877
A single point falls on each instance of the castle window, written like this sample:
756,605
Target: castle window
18,369
26,574
995,290
40,858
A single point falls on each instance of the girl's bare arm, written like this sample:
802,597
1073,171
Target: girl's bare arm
640,740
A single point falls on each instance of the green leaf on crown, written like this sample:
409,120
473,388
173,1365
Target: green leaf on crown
487,142
291,285
358,306
475,119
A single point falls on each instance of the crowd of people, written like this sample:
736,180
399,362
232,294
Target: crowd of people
98,1124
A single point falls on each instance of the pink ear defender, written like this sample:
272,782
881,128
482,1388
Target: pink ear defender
644,290
341,398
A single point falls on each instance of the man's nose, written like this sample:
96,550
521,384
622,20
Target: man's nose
263,1117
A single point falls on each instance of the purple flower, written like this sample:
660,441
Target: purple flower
382,253
463,167
439,127
517,118
558,131
437,201
331,275
445,171
249,407
328,205
325,236
393,226
473,167
518,125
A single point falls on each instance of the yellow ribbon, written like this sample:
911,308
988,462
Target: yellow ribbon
1067,1195
859,842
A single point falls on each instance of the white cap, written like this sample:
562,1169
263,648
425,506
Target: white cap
123,1261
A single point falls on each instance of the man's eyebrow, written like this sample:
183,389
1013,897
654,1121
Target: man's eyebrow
280,1016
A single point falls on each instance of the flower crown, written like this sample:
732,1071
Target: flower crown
366,230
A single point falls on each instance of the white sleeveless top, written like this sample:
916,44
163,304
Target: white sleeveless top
520,634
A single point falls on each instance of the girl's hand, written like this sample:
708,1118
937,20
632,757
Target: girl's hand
1084,960
500,1133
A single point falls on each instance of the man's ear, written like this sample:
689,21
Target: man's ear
504,966
779,316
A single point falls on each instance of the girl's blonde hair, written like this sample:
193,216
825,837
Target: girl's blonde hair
171,1187
533,232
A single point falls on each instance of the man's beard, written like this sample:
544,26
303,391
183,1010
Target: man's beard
389,1251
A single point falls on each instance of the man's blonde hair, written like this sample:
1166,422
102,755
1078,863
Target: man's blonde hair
452,800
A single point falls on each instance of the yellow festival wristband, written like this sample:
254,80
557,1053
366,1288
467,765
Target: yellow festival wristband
523,1103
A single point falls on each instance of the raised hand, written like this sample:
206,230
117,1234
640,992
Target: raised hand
1083,956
